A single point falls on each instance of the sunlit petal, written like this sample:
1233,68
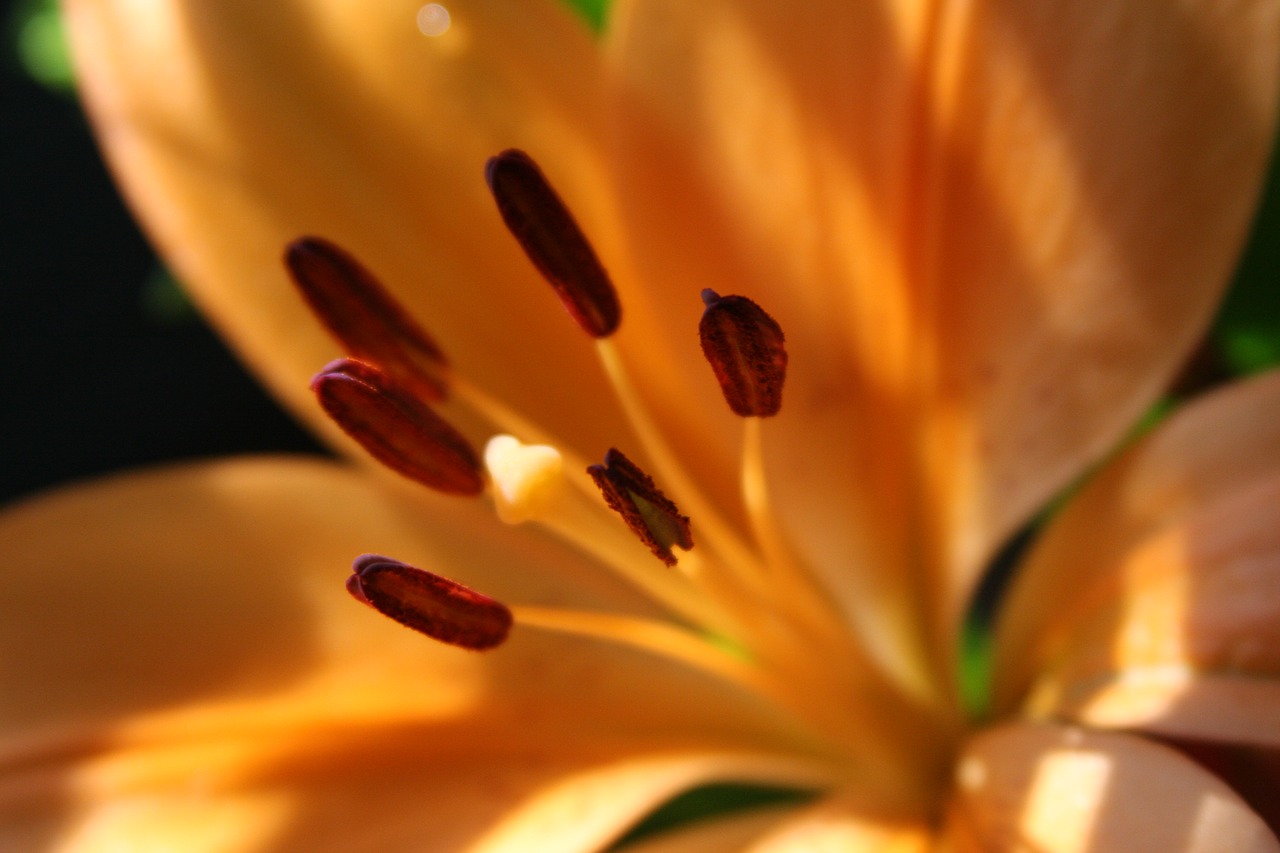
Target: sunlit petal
1059,790
179,652
988,257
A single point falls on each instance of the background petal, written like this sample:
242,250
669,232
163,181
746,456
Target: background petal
1055,790
1185,640
991,233
275,120
179,654
1152,600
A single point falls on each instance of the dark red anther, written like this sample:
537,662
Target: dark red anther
429,604
365,318
745,348
546,230
397,428
650,514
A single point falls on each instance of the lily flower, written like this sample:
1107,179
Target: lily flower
949,253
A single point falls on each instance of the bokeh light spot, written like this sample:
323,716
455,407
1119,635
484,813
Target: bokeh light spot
433,20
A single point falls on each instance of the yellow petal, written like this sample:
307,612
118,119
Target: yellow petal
990,231
180,662
1058,790
1160,572
275,120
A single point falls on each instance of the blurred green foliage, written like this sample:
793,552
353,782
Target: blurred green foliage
706,801
1247,329
594,12
35,32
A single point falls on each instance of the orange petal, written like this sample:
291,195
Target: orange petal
991,233
275,120
377,789
183,666
844,823
1155,582
1059,790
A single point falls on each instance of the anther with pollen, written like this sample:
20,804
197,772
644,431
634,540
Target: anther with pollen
364,317
650,514
745,348
543,226
397,428
438,607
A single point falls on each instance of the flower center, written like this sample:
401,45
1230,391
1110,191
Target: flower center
744,606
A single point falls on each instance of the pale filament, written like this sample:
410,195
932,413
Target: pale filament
720,592
718,583
784,627
525,484
785,569
738,564
708,522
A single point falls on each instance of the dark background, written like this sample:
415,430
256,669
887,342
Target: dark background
105,366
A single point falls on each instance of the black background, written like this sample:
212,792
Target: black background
100,371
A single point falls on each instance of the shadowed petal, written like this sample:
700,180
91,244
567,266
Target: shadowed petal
183,664
990,231
1152,597
1058,790
274,120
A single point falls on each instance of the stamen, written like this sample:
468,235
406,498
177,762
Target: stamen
713,528
745,348
810,603
579,518
541,222
649,513
398,429
527,478
438,607
364,317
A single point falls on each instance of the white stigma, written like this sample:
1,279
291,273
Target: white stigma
527,478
